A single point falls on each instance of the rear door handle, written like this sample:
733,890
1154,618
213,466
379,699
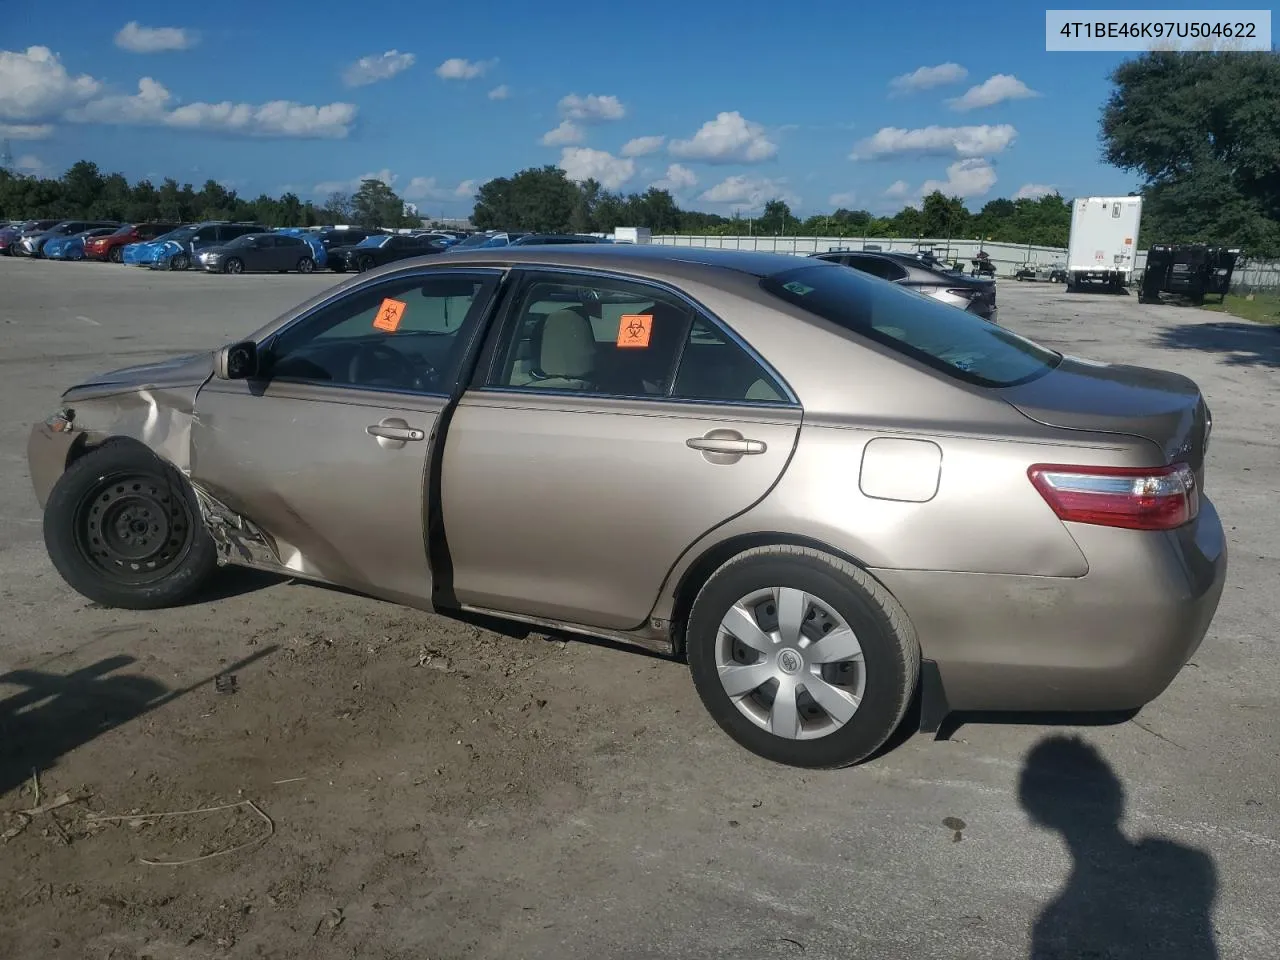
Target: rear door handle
737,445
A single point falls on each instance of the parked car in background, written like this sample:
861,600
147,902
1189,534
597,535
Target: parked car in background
28,228
376,251
259,252
72,247
487,239
111,246
331,237
10,234
544,239
683,449
924,275
33,243
319,255
180,254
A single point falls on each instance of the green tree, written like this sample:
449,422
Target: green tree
376,205
541,199
1202,130
942,216
777,219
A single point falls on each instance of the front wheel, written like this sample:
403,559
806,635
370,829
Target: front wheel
802,658
179,261
116,255
234,265
306,265
364,264
123,529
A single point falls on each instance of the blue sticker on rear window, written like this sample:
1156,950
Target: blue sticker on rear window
799,289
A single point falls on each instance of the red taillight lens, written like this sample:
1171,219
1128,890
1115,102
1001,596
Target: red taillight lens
1135,498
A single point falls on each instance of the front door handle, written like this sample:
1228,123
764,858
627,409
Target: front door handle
721,444
394,432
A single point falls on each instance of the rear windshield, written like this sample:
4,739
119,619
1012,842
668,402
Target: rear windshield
951,340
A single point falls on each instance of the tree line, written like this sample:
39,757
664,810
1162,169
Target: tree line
1201,130
84,192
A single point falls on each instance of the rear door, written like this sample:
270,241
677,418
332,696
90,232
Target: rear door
609,426
328,450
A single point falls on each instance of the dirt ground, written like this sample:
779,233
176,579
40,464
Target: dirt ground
394,784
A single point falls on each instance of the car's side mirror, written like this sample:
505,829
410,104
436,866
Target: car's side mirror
238,361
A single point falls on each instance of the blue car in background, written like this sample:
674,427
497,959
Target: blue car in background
177,248
72,247
318,253
143,253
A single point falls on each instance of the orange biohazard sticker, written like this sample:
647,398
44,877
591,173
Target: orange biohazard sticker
389,314
634,329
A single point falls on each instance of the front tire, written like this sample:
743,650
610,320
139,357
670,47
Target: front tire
802,658
306,265
116,255
364,264
123,529
179,261
234,265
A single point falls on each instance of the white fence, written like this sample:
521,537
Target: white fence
1008,257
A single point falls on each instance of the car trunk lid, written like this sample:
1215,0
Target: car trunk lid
1165,408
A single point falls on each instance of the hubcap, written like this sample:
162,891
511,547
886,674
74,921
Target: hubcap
790,663
133,528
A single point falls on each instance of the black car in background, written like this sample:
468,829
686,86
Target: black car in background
374,251
924,275
331,237
259,252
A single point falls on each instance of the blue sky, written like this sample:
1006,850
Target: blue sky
726,106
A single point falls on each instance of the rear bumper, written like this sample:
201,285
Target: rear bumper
1111,640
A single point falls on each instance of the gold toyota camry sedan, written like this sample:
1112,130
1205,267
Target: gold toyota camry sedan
831,495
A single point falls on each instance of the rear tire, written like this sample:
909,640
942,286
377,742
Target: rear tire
179,261
306,265
234,265
116,255
123,529
832,717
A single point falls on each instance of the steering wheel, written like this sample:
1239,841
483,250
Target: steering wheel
374,359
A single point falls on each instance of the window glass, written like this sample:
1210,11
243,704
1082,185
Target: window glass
593,335
952,341
408,333
715,368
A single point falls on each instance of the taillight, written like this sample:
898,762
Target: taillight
1135,498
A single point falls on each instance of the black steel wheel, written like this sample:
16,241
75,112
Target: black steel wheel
122,528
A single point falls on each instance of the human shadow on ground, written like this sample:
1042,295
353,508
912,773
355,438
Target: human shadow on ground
55,713
1124,900
1240,343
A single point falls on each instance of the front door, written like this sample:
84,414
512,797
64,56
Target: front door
612,426
328,450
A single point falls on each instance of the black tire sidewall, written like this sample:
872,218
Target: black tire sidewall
60,536
881,708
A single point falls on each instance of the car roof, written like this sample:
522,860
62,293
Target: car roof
642,259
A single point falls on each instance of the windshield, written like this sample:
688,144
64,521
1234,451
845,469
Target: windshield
948,339
376,240
496,242
181,235
124,231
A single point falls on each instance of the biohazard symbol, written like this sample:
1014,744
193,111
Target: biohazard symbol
634,329
389,315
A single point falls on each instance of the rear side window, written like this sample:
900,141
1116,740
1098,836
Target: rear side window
952,341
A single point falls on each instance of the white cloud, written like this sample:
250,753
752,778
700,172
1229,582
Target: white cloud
748,193
973,177
642,146
973,141
30,163
500,92
993,90
678,179
373,68
456,68
729,138
26,131
591,108
34,85
897,189
843,199
151,106
139,39
925,78
467,188
583,163
1034,191
567,132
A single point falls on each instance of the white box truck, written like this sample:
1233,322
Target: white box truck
1104,241
632,235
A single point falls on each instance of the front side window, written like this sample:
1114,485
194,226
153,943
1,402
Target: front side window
952,341
405,333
